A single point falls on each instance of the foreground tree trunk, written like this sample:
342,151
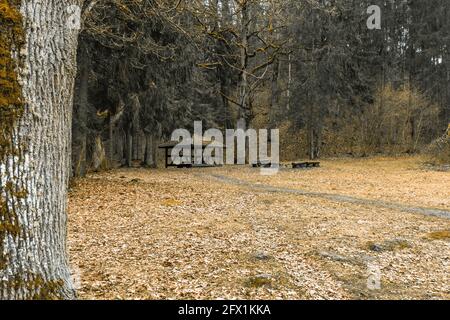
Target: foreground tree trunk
35,146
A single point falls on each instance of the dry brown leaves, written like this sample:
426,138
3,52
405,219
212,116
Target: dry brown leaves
181,234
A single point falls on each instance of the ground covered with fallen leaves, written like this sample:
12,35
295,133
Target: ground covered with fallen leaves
352,229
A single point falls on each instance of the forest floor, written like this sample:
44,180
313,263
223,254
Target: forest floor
231,233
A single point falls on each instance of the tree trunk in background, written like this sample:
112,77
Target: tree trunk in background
447,90
129,147
275,93
226,12
318,141
115,143
111,140
447,63
133,129
244,112
412,119
34,177
149,159
79,143
311,141
99,161
225,80
288,92
136,144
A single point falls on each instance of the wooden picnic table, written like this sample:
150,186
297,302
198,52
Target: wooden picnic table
168,146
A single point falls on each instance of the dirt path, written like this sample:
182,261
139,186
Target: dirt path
337,197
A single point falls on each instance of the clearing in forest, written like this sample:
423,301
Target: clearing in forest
353,229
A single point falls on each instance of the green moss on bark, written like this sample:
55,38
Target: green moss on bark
11,109
35,287
11,39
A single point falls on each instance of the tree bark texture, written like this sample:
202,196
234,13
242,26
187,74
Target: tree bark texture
35,166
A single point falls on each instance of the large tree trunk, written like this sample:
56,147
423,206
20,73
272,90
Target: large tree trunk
35,166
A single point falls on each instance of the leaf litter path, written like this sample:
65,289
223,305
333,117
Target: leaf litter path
340,198
171,234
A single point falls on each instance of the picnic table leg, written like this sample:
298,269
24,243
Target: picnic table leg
167,157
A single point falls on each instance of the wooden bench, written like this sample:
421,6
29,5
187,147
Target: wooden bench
192,165
184,165
304,165
262,164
